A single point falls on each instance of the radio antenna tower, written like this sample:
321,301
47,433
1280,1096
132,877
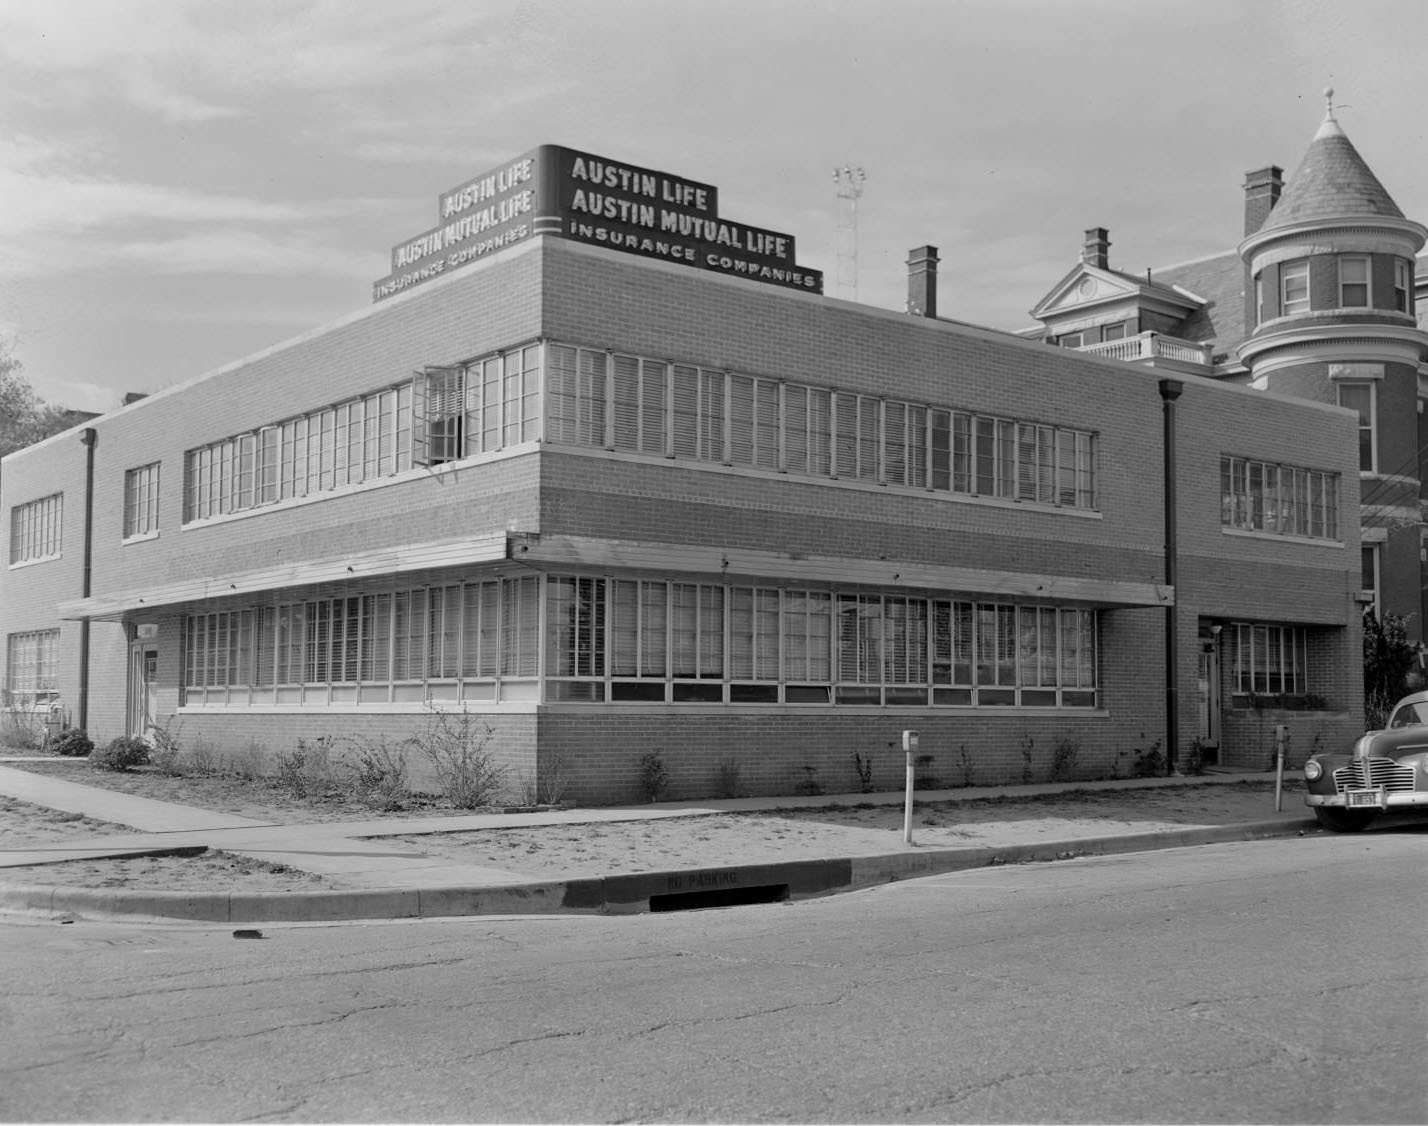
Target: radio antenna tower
849,184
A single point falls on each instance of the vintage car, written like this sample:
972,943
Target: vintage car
1386,770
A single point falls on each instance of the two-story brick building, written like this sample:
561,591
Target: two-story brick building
607,471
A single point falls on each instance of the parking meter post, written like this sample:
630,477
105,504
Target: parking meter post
1281,739
909,746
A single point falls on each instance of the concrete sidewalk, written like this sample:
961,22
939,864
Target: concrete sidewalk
395,880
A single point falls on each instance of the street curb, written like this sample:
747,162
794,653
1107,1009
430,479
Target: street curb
626,894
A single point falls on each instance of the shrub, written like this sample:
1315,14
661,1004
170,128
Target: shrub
123,753
201,757
455,745
654,776
73,742
1063,760
527,789
305,773
727,782
1389,657
288,777
164,756
924,776
379,774
1028,750
810,784
22,729
1149,763
964,764
553,781
863,767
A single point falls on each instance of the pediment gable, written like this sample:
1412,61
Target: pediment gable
1084,285
1088,290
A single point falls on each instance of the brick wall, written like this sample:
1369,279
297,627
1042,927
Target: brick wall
29,591
599,754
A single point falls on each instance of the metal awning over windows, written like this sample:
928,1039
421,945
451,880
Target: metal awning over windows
357,565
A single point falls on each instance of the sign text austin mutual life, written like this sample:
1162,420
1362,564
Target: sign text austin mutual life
558,191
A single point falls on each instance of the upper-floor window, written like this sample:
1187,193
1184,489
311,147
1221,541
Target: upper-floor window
1113,332
593,398
487,405
325,449
693,413
1258,298
35,529
1294,287
1402,284
141,501
1354,276
1071,339
1285,500
1359,397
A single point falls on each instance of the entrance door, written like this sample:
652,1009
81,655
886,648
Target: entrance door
1209,686
143,688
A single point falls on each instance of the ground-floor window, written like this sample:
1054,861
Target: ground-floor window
455,641
602,639
671,642
31,668
1269,660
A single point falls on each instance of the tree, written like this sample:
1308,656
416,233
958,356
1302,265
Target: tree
24,418
1389,658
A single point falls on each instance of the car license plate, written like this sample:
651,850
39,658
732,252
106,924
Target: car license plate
1365,797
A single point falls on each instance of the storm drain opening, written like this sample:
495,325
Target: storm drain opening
718,897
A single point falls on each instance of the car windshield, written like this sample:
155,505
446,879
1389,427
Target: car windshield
1410,715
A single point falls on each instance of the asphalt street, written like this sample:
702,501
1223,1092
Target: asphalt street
1274,981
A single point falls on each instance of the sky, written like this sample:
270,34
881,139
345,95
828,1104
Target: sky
186,182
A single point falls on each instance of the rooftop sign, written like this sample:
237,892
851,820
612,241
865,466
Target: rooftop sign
557,191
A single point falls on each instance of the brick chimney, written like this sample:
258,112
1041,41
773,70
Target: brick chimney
1263,188
922,281
1097,250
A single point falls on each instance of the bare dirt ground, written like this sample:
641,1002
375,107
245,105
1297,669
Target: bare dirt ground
719,840
729,839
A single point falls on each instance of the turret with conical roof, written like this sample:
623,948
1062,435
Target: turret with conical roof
1332,319
1332,267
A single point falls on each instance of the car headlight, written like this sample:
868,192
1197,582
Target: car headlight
1312,770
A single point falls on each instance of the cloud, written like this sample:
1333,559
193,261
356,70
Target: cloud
73,395
245,252
74,205
156,48
146,91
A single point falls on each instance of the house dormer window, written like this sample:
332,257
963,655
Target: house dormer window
1353,282
1294,287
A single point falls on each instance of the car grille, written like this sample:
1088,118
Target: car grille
1362,774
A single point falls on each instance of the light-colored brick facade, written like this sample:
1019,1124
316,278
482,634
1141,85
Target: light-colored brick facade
539,508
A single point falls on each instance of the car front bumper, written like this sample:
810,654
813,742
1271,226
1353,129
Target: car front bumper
1370,799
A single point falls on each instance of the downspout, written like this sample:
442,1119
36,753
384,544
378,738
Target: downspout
90,437
1170,390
